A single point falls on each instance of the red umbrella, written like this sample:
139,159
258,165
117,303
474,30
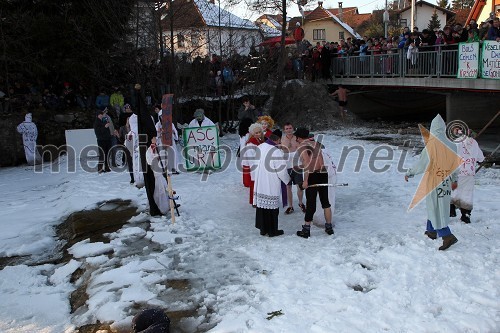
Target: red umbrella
274,40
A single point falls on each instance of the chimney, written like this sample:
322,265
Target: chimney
340,11
320,4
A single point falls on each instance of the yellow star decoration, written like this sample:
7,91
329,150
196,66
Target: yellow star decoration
443,161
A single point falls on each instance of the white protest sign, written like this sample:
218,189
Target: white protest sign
490,60
201,148
468,60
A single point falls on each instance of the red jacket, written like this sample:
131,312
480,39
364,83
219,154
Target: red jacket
298,34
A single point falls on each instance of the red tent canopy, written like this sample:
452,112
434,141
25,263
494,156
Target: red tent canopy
274,40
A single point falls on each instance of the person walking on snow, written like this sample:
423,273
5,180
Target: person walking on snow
290,145
315,172
438,197
269,174
29,132
462,196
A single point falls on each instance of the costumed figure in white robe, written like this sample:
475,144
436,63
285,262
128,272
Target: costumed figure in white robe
270,173
132,143
463,196
30,133
438,197
161,188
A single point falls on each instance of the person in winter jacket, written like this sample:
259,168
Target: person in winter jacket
103,136
29,132
438,162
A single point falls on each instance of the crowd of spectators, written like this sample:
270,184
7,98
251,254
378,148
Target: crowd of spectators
214,76
325,60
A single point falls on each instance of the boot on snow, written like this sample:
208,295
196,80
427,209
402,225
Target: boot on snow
465,215
448,241
453,212
431,234
329,228
305,232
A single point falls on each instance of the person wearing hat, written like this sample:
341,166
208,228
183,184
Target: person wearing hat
270,174
439,154
298,35
200,120
29,132
315,172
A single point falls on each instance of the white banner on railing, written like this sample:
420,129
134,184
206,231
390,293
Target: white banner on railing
468,60
490,60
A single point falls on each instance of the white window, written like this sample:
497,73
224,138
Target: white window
341,35
319,34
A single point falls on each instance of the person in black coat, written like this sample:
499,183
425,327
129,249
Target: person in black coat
147,136
103,136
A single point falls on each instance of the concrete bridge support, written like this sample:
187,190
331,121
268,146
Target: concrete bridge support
475,109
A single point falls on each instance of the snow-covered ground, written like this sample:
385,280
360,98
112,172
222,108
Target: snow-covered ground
378,273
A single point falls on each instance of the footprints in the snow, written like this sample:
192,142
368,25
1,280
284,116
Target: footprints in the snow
367,282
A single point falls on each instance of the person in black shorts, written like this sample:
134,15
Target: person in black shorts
315,173
341,93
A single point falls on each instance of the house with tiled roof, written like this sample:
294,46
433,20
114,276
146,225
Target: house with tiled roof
461,15
200,27
321,25
484,10
423,13
349,15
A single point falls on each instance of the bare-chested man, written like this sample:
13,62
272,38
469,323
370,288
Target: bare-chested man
315,172
290,145
341,93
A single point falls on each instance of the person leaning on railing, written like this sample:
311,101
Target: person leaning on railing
494,30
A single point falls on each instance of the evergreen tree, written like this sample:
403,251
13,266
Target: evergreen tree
434,22
462,4
443,4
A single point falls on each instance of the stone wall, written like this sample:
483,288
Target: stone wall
51,131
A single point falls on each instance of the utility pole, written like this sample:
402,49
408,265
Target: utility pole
386,19
412,20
